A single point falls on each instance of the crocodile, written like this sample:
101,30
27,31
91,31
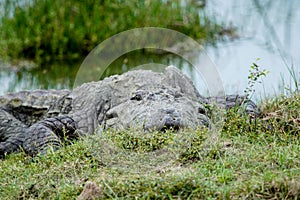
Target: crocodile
35,121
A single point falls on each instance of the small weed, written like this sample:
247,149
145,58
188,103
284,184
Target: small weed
255,73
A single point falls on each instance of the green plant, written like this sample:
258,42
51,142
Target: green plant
294,82
255,73
47,30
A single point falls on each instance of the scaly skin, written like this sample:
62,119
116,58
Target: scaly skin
37,121
11,133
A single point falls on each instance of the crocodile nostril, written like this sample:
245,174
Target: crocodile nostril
171,123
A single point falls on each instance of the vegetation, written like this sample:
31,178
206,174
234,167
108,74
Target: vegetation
252,159
255,74
46,30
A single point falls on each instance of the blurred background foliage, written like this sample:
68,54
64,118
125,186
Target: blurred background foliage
46,30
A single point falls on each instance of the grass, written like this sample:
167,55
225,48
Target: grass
46,30
252,159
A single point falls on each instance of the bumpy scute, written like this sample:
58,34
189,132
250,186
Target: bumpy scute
40,120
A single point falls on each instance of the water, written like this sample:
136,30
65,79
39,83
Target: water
57,76
266,29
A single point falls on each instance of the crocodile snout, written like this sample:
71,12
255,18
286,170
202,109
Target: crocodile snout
172,120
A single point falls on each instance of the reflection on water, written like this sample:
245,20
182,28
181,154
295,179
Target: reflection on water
62,75
58,76
267,29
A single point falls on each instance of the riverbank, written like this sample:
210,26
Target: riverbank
67,30
250,159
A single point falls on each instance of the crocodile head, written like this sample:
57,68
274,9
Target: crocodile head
158,109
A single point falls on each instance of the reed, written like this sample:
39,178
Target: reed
47,30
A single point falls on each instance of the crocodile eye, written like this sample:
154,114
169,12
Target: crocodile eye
110,115
137,97
201,110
